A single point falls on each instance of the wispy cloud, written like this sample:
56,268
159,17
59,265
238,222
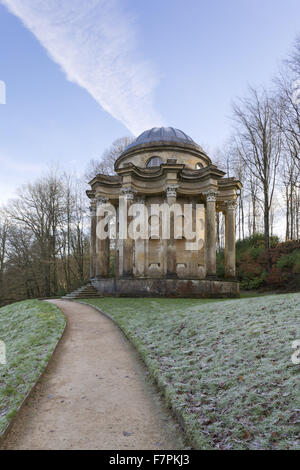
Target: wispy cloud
94,42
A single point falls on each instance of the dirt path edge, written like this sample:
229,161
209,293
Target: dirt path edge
29,393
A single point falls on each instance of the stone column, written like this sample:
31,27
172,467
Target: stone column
211,197
117,246
230,239
140,248
171,192
93,214
102,246
128,242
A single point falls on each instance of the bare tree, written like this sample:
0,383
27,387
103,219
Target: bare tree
288,104
293,61
4,226
288,100
290,174
260,140
106,164
47,241
229,160
253,196
39,209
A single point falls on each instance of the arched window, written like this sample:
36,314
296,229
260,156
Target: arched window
154,161
198,166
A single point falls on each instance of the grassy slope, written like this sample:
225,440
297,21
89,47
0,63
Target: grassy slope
30,330
225,367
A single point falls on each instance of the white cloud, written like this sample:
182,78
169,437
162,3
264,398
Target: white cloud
94,43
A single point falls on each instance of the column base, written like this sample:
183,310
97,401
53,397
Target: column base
231,278
230,274
171,276
126,276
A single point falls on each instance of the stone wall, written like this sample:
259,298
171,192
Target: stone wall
189,288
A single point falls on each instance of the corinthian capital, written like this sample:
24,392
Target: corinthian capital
211,195
93,210
128,193
231,204
140,199
171,190
101,200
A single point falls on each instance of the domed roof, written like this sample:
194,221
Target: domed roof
162,134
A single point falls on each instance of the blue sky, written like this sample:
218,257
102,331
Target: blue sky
81,74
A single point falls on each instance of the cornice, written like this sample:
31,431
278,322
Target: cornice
230,183
90,193
147,174
154,146
203,173
106,180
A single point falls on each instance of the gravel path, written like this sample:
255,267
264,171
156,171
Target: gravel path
94,394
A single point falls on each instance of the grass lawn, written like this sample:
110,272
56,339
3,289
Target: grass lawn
224,367
30,330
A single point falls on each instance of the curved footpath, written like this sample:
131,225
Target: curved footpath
94,394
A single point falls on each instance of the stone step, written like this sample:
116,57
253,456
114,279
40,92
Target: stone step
83,292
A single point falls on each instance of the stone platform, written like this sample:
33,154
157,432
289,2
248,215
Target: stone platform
150,287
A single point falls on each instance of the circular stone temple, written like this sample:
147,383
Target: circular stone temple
163,202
